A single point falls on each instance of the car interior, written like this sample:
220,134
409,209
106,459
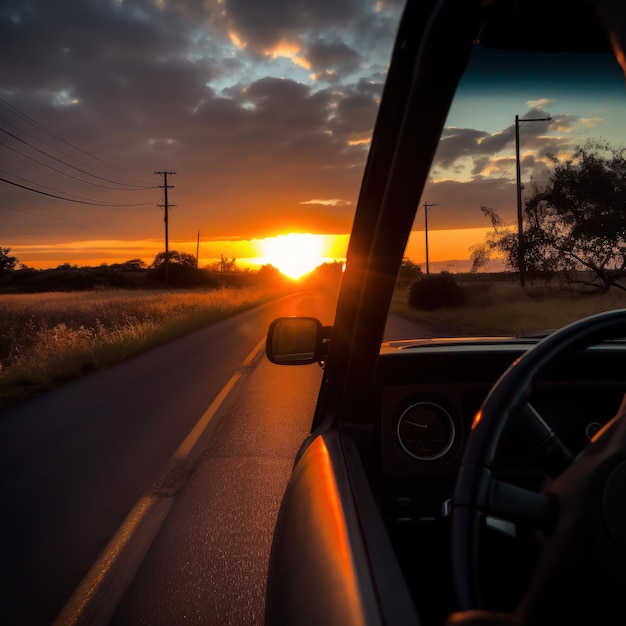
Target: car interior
461,480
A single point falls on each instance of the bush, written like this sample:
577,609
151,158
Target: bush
435,291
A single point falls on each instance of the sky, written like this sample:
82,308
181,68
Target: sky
264,111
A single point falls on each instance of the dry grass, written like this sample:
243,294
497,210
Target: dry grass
504,308
48,339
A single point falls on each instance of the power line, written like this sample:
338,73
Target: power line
80,180
43,193
52,217
69,156
78,169
15,111
32,182
36,138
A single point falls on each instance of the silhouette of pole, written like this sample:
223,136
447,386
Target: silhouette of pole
165,207
426,206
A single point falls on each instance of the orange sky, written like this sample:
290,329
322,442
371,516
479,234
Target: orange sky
264,111
445,246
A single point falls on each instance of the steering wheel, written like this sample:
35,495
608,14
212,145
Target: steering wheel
581,572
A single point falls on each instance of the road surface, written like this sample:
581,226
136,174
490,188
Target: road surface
97,493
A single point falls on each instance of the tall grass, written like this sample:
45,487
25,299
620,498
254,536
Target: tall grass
505,308
48,339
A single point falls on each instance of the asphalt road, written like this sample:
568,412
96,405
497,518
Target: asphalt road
93,471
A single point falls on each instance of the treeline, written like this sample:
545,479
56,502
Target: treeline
132,274
181,272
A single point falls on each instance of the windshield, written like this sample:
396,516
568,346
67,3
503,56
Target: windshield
532,140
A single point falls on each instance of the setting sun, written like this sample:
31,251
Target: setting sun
294,254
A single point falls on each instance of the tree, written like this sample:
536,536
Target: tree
434,291
133,265
181,270
575,224
480,254
7,262
326,275
223,266
269,275
183,259
408,272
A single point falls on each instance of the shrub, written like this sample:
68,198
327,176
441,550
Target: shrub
435,291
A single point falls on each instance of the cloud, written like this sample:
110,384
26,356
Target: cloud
231,96
473,152
540,104
473,167
333,58
262,29
460,202
255,105
456,143
590,122
327,202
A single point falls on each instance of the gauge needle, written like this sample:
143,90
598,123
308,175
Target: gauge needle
416,424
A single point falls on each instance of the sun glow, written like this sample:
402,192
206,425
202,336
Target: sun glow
295,254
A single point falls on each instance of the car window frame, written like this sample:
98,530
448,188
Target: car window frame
431,51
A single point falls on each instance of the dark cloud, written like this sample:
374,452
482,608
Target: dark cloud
354,117
482,148
486,164
148,86
456,143
151,86
336,57
57,41
460,202
261,25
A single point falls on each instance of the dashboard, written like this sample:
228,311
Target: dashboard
430,391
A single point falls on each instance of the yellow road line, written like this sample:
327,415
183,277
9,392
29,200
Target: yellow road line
96,598
99,593
191,439
254,352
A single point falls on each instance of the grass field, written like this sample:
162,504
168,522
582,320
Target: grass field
47,339
504,308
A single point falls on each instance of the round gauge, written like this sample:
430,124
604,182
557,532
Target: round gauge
426,431
593,429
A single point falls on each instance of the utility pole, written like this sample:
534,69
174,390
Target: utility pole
198,251
521,247
165,206
426,206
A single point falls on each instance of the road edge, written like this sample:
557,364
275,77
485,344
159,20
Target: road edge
101,590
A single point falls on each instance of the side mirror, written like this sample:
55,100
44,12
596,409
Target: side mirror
297,341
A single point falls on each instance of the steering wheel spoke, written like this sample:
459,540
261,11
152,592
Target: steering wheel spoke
545,443
520,505
582,511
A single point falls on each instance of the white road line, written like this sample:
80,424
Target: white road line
96,598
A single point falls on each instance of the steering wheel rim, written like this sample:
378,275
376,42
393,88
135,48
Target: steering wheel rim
508,394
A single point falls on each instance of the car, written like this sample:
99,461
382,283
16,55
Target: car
458,480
